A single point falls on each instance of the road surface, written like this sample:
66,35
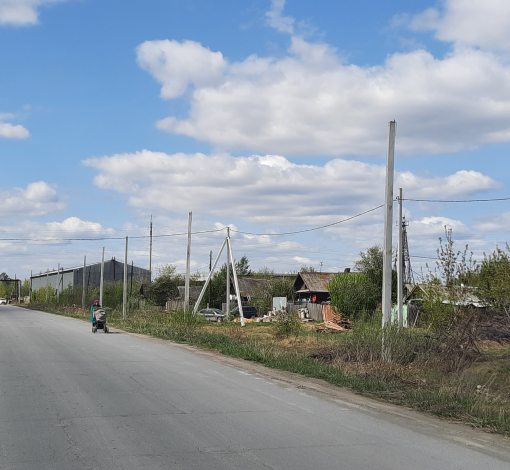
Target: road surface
73,400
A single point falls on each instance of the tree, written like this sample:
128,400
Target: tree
353,292
307,269
453,267
219,281
494,279
165,285
371,265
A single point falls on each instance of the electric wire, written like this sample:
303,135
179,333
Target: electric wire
458,200
309,229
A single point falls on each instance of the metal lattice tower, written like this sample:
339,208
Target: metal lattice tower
408,272
406,261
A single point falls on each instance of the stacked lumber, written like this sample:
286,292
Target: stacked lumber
337,323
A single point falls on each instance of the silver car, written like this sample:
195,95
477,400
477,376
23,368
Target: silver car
212,314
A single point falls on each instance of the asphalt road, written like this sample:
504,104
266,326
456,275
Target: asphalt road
73,400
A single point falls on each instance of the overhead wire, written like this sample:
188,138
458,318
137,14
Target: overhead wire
458,200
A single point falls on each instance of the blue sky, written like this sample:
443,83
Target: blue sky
269,116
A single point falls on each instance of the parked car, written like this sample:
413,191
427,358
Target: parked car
3,301
248,311
212,314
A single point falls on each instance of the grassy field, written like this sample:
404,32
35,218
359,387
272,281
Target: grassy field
471,388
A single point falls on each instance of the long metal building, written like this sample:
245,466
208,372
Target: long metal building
113,272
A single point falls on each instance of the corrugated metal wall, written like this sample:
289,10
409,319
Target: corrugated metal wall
113,272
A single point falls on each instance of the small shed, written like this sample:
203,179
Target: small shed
313,286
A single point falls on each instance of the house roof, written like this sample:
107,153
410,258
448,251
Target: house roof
248,286
313,282
461,295
194,292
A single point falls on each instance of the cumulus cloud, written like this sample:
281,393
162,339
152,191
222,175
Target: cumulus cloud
177,64
70,227
11,131
22,12
479,23
275,19
37,199
310,102
266,189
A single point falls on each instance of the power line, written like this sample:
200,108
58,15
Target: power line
458,200
310,229
49,239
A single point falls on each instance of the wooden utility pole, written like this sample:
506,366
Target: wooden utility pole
150,252
101,280
388,221
30,291
400,264
188,265
124,292
83,283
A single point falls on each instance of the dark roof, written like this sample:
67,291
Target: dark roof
313,282
461,295
249,286
194,292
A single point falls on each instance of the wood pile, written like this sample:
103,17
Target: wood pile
335,324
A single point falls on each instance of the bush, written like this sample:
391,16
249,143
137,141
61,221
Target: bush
352,292
288,324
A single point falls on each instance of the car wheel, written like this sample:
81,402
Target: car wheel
219,319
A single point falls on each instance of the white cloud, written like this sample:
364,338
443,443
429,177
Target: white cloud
22,12
11,131
37,199
481,23
309,102
494,223
284,24
70,227
176,64
266,189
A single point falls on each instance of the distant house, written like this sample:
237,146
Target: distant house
249,288
194,293
313,286
460,296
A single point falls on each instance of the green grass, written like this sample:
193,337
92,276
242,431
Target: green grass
478,394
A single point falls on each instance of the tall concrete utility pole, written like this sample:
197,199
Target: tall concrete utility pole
228,273
210,285
150,253
188,265
236,283
83,283
388,221
58,282
124,293
400,264
101,280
